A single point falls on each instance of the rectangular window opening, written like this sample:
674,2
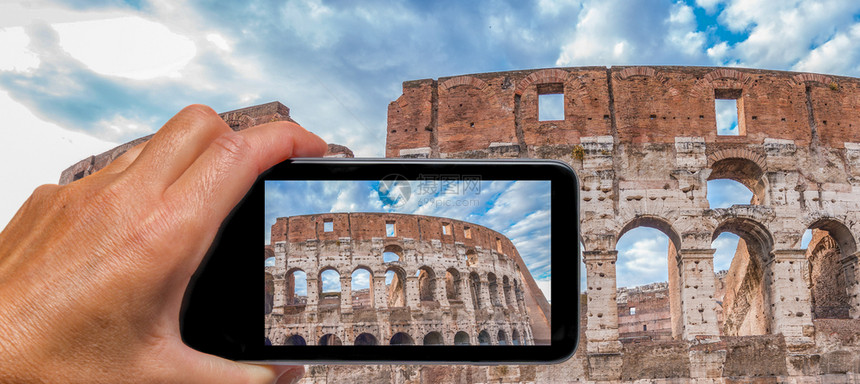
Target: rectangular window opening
498,245
632,310
328,225
467,232
644,327
446,229
550,102
390,229
728,105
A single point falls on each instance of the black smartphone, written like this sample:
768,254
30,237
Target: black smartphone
394,260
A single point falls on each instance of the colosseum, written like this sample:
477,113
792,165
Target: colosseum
453,283
645,143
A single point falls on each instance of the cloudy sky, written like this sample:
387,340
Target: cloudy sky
518,209
77,77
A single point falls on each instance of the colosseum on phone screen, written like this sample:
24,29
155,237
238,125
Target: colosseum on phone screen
442,260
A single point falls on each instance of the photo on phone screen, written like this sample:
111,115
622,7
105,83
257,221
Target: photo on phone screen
436,260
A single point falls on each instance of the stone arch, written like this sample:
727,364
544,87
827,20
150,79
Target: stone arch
401,338
452,284
270,253
330,339
331,298
393,249
655,222
544,76
361,299
270,293
502,337
472,81
829,277
397,288
720,78
471,257
238,122
433,338
747,301
365,339
493,287
506,288
292,297
426,284
475,290
295,339
484,338
461,338
744,166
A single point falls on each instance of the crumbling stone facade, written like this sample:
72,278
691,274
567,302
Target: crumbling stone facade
454,283
644,143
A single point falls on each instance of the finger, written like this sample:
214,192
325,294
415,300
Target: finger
121,163
178,144
289,374
225,171
196,367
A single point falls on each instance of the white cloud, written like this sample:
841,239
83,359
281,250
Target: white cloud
129,47
839,55
16,56
682,32
35,152
219,41
546,288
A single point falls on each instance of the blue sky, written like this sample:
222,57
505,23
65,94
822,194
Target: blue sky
78,77
518,209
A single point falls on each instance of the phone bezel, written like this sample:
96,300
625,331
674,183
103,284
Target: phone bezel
221,318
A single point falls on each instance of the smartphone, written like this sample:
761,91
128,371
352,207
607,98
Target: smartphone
394,261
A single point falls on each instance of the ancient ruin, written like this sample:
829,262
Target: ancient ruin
454,283
644,142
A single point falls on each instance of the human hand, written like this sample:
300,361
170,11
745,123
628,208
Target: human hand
92,274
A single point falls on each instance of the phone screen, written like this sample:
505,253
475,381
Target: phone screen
436,260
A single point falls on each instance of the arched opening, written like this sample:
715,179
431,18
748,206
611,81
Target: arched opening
365,339
647,263
515,337
506,288
461,338
452,285
426,284
392,253
395,282
270,261
330,339
484,338
745,309
401,338
471,257
295,340
743,171
297,288
831,241
518,294
270,293
583,283
329,289
475,290
503,340
493,286
268,342
360,284
433,338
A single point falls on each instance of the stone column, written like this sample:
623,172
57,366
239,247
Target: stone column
412,297
280,296
380,293
441,293
698,304
851,273
604,349
791,310
313,294
486,302
346,294
466,294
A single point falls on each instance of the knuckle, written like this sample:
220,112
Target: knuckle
199,110
232,145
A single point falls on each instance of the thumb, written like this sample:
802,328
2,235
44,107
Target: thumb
196,367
